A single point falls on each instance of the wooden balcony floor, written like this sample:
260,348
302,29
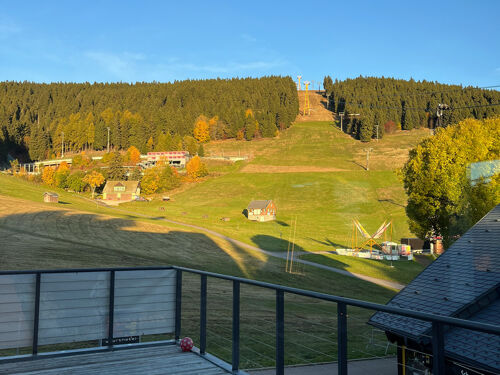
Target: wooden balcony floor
148,360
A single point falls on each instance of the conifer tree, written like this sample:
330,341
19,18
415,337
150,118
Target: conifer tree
116,170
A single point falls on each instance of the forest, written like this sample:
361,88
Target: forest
36,119
395,104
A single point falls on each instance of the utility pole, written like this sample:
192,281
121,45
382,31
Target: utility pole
439,112
368,150
108,139
377,131
62,145
341,114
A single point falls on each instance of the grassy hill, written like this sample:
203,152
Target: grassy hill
314,173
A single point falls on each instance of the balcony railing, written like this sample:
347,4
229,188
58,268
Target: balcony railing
54,309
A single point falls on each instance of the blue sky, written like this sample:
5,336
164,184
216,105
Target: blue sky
445,41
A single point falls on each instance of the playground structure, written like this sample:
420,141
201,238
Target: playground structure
367,239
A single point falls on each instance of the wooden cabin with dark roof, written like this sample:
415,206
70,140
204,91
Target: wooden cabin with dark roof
464,282
261,210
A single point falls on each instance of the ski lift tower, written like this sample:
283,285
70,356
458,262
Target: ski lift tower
298,82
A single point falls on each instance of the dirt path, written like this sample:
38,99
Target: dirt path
374,280
318,108
255,168
67,236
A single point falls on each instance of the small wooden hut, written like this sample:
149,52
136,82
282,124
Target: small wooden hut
49,197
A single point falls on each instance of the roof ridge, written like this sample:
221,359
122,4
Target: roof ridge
481,302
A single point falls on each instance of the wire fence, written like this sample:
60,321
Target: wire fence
310,326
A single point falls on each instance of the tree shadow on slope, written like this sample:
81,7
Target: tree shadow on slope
271,243
328,242
52,239
62,239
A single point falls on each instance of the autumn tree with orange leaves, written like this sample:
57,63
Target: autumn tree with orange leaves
196,168
134,155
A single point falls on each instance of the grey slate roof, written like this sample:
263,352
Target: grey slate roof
463,282
258,205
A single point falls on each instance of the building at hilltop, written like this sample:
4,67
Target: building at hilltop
176,159
464,282
261,210
121,191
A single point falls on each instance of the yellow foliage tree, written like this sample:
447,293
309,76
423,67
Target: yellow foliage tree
196,168
202,129
48,176
150,181
134,155
63,167
94,179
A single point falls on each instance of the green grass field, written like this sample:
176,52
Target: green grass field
323,202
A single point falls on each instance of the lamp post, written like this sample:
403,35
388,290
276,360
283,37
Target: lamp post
368,150
108,139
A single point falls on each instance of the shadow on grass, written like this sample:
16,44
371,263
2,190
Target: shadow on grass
272,243
64,239
391,201
282,223
328,242
359,164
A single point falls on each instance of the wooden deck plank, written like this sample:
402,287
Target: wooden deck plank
160,360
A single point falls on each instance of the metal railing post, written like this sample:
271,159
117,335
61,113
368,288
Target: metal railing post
111,312
280,332
236,326
342,338
438,359
36,318
203,314
178,304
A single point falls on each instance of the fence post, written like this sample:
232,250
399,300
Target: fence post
342,338
178,303
438,360
203,314
236,326
36,318
280,333
111,312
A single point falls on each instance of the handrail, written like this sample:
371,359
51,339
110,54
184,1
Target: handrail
482,327
477,326
437,321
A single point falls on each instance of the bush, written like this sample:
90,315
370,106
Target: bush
61,179
159,179
391,127
75,181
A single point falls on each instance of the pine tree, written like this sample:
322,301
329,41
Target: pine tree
116,170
